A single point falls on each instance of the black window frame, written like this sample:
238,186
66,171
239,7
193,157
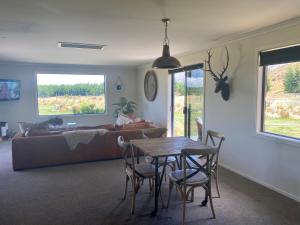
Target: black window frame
283,55
187,70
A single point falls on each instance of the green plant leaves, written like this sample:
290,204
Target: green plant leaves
124,106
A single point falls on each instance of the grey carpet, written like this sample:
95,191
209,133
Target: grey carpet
90,194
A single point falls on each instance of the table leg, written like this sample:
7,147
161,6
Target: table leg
137,156
162,173
180,162
156,190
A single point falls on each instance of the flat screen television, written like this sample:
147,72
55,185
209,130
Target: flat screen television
9,90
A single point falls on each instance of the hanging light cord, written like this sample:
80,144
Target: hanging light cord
166,40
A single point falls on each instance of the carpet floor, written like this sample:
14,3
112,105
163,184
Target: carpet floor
90,194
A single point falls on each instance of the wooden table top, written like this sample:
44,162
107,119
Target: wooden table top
170,146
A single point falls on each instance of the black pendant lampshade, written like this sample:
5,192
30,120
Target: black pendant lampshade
166,61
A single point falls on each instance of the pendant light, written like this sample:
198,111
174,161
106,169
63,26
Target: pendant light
166,61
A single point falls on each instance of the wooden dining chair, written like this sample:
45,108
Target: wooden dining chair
189,178
199,128
136,173
215,139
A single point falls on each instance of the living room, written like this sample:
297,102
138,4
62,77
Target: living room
42,181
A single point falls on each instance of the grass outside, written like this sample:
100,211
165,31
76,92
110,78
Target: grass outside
179,124
283,126
48,110
196,112
64,105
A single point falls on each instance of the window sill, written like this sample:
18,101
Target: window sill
280,139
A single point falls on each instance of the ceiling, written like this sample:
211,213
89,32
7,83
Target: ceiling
30,29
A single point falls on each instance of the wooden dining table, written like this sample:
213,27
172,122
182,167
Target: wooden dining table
164,147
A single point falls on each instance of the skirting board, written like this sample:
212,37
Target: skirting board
296,198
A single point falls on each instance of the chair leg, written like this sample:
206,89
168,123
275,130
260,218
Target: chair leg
126,185
150,186
184,206
165,175
211,202
170,192
173,166
133,203
192,195
217,182
133,196
162,200
189,193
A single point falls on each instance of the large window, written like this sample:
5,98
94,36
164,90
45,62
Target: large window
70,94
281,92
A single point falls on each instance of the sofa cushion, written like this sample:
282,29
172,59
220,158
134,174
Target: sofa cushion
109,127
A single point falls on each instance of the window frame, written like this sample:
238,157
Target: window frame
261,82
186,70
36,105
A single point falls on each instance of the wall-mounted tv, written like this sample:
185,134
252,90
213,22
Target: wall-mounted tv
9,90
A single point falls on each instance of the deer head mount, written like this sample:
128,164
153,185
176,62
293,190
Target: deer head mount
219,78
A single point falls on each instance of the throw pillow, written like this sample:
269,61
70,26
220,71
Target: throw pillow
123,119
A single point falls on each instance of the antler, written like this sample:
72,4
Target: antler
209,53
227,63
220,75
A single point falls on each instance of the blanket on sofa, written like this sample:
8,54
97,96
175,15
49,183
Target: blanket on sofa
75,137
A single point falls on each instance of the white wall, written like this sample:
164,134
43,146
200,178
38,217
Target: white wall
269,161
24,109
156,110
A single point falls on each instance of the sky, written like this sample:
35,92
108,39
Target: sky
195,81
69,79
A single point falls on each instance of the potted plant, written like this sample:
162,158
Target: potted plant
125,107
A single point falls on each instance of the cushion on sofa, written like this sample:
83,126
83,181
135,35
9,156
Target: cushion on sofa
109,127
123,119
136,126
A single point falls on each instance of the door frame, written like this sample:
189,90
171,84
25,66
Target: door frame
187,70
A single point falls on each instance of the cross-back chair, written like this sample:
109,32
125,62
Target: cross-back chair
191,177
136,173
215,139
199,128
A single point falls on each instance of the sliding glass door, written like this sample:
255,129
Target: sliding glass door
179,104
187,101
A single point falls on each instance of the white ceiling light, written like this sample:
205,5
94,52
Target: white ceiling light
80,45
